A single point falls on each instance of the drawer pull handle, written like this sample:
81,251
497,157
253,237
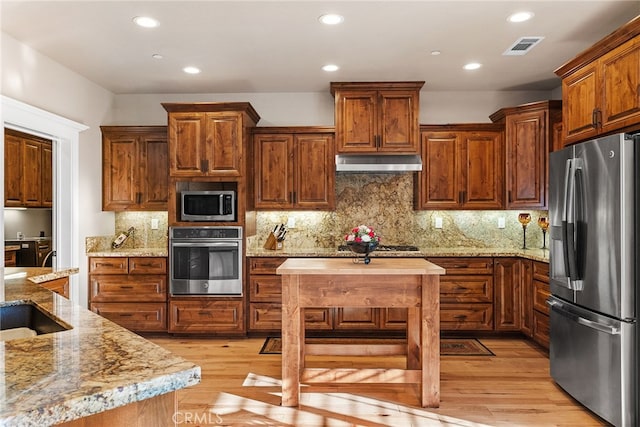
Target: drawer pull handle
460,317
204,313
126,314
126,287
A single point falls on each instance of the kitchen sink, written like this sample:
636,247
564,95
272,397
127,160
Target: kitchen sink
26,316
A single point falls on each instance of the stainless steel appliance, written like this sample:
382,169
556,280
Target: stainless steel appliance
208,206
205,260
593,213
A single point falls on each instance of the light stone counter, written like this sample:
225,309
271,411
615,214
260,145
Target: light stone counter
94,367
126,252
533,254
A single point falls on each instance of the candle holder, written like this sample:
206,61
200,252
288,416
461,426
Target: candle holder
524,219
543,223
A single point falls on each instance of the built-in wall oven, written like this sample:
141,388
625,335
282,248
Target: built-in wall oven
205,260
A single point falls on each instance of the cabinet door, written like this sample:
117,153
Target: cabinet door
620,94
356,318
314,172
482,164
13,161
119,171
31,173
356,126
186,153
223,142
508,279
46,175
580,97
398,127
439,178
273,173
154,172
527,148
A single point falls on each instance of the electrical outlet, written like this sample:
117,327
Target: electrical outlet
154,223
291,222
501,223
438,222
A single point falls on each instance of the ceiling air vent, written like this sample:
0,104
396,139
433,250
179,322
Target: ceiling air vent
522,45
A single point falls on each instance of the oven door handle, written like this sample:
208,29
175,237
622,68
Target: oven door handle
206,245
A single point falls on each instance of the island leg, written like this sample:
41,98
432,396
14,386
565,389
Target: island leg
430,316
291,345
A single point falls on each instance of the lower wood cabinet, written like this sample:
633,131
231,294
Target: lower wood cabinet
207,316
508,302
541,293
130,291
59,286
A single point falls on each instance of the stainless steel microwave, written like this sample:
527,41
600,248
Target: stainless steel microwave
209,206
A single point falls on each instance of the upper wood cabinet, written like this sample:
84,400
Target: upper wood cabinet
601,86
528,138
27,170
462,167
135,168
294,168
209,139
377,117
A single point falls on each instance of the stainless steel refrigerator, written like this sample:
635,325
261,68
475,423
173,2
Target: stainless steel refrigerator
594,223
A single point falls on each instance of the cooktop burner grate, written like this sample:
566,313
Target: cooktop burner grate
387,248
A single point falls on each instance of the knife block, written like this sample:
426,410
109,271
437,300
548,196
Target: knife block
272,243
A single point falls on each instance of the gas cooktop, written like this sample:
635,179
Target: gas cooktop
387,248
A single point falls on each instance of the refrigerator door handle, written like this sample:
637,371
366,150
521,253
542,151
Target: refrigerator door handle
559,308
565,217
573,173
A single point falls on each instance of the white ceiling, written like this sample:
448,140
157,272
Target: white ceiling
279,46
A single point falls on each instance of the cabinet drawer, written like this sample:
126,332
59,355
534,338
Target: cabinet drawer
132,288
108,265
206,317
465,265
356,318
150,317
541,329
59,286
265,288
268,316
541,292
541,271
147,265
477,316
466,288
393,318
264,265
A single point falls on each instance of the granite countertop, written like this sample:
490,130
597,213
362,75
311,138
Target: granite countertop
94,367
125,252
533,254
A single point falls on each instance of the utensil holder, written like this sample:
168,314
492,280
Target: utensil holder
272,243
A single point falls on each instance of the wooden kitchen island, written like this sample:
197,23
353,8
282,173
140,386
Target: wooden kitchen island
413,283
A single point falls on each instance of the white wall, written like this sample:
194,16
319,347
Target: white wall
309,109
35,79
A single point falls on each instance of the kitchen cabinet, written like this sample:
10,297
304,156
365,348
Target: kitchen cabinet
466,293
207,315
209,139
541,292
130,291
59,286
526,298
601,86
135,168
265,299
10,255
25,172
377,117
463,167
508,275
294,168
528,139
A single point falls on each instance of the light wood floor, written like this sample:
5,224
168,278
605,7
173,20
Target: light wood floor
240,387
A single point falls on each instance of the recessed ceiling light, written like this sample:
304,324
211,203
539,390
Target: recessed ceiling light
157,56
331,19
435,52
330,67
472,66
146,21
191,70
520,17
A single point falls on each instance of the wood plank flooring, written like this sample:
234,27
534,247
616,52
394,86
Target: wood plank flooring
240,387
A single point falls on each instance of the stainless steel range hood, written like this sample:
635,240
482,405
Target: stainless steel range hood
378,163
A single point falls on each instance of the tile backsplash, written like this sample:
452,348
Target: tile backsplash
385,202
